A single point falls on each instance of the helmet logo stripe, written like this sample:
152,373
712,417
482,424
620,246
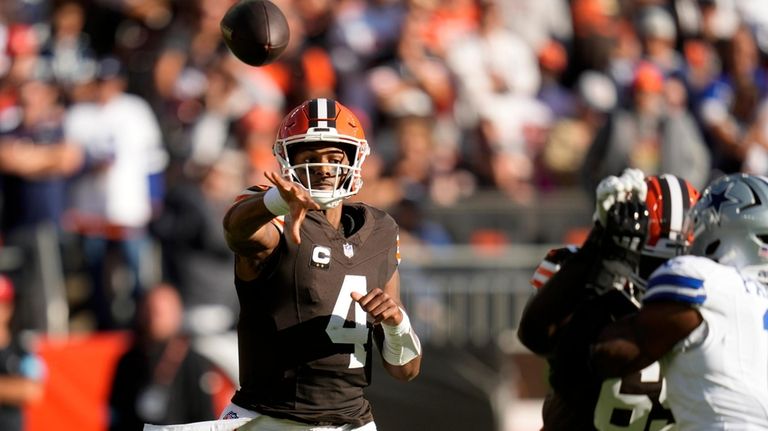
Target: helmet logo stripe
666,202
675,204
322,113
330,112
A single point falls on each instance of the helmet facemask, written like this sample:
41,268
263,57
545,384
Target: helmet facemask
338,180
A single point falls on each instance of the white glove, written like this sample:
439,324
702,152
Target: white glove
634,183
614,189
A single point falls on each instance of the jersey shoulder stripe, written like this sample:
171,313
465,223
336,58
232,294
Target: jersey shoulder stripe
675,287
551,264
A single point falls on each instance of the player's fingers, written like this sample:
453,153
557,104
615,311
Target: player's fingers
374,304
356,296
366,299
310,204
274,178
384,311
296,219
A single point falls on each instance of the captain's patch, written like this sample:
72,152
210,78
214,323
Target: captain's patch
321,257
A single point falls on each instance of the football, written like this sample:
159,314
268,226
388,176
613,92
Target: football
256,31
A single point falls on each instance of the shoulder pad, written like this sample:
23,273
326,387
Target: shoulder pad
250,191
681,279
551,264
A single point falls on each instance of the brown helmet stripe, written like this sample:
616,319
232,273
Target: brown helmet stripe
675,200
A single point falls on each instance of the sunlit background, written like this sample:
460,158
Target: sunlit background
127,128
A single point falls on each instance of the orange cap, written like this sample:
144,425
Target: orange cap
648,78
6,289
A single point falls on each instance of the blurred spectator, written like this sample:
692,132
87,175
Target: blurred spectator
415,83
381,190
413,165
68,49
448,21
568,141
21,371
221,105
655,134
415,228
538,22
196,258
188,49
160,380
256,131
492,62
729,105
595,31
553,60
756,158
305,69
658,35
364,35
120,189
35,163
498,79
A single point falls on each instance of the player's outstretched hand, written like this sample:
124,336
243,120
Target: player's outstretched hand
299,201
626,225
613,189
381,306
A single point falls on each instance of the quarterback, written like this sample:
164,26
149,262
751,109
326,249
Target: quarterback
317,280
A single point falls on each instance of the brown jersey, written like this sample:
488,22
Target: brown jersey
579,401
304,345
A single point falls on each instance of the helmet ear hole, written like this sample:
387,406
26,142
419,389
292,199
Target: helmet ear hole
712,248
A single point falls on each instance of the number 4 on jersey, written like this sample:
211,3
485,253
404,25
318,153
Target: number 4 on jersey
357,334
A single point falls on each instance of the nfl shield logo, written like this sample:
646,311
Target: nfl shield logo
348,250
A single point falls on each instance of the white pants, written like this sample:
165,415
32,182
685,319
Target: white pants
219,425
260,422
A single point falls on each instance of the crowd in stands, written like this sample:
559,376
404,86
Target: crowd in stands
127,127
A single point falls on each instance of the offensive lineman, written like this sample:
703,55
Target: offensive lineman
316,278
580,290
705,316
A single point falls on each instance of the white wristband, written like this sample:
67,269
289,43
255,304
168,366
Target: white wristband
275,203
401,345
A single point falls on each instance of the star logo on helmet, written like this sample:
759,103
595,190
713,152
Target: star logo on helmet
717,200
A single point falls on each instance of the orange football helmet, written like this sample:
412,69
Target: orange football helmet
323,121
668,200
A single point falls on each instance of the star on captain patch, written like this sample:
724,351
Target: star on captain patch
348,250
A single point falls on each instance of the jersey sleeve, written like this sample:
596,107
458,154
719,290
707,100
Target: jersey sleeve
680,279
278,221
551,263
393,253
387,236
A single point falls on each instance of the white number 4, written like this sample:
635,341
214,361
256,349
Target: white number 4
357,335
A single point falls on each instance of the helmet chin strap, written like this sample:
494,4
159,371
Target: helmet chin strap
327,202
